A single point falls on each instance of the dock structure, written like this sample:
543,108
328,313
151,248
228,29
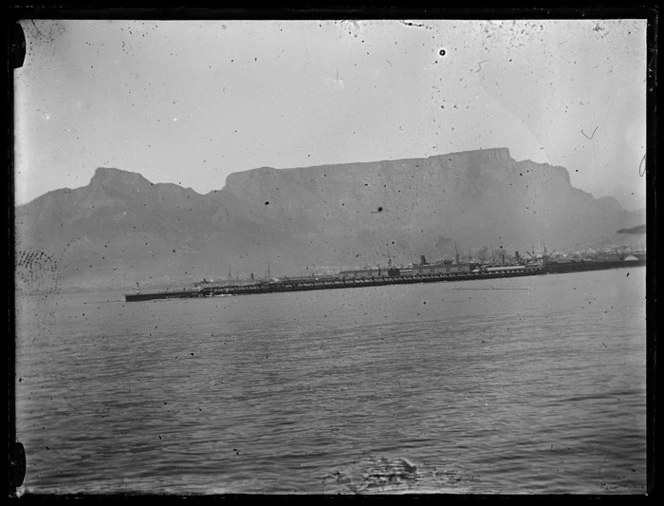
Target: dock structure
286,285
328,283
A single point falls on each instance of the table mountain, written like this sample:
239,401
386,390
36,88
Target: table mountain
121,228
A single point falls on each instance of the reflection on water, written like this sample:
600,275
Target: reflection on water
503,386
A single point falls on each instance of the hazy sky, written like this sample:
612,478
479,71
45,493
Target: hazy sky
190,102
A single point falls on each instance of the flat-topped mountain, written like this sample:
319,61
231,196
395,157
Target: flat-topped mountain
121,228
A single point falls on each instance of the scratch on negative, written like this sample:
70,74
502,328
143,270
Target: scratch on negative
408,23
479,66
591,136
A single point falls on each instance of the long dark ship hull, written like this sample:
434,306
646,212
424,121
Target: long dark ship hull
559,267
335,283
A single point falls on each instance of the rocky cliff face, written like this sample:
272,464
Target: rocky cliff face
121,228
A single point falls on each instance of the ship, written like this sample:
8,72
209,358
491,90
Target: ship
579,265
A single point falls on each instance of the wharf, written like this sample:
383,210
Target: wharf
336,283
330,283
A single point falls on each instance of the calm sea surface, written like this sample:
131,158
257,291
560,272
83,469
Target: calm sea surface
522,385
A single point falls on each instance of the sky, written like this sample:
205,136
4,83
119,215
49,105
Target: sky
189,102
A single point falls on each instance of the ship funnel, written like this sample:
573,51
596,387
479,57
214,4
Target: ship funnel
423,260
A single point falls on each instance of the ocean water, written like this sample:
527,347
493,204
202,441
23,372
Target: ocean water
512,386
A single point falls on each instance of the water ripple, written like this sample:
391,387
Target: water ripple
524,389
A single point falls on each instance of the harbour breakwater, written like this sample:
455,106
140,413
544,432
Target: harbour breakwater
332,282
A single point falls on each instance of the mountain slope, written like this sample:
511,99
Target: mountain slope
121,228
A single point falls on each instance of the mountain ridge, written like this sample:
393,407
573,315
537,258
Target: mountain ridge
122,228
